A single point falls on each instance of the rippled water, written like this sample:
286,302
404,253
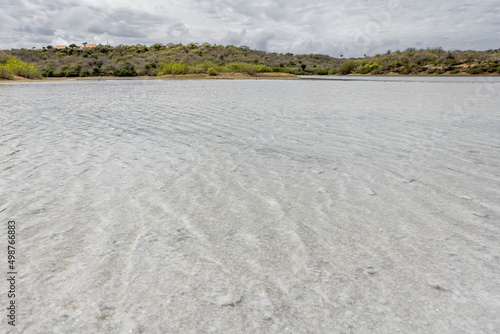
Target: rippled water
254,206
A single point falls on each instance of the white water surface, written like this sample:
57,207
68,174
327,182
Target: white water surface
253,206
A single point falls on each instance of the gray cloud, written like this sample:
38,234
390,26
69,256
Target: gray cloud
177,30
350,27
234,38
43,31
119,29
262,40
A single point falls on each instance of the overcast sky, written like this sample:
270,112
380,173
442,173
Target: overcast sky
348,27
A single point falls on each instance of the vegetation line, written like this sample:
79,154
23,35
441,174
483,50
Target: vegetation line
158,60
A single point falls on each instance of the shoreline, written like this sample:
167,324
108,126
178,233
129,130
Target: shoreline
234,76
222,76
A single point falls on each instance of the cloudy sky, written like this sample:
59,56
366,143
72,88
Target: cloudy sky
347,27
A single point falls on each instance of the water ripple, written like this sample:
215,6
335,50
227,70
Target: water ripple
252,206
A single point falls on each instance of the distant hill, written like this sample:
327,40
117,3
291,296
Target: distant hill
139,60
428,61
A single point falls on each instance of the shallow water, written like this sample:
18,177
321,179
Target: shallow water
254,206
486,79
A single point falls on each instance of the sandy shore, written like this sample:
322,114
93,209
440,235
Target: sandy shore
223,76
229,76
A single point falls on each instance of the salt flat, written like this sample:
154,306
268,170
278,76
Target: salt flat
254,207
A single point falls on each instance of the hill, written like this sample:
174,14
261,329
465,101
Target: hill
158,59
428,61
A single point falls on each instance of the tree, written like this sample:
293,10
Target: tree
72,45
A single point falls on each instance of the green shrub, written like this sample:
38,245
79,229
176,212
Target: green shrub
173,68
196,68
48,72
333,71
280,69
211,71
397,64
220,69
476,70
108,69
85,73
263,69
375,69
364,69
347,68
72,71
124,73
6,72
11,66
240,67
449,68
321,71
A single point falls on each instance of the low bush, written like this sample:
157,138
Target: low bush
240,67
347,68
173,68
476,70
263,69
321,71
364,69
6,72
332,71
211,71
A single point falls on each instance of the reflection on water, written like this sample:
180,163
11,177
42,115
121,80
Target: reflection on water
253,206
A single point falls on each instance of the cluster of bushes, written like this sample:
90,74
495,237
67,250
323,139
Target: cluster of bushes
174,68
11,66
429,61
140,60
174,59
210,68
